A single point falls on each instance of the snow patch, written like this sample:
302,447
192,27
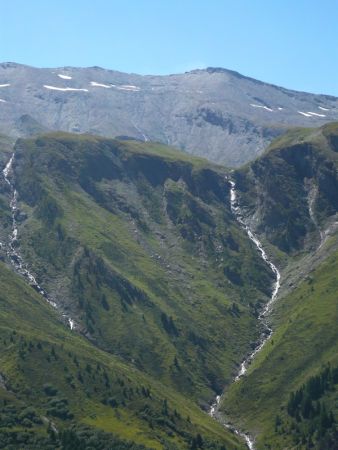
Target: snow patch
261,106
128,87
64,77
316,114
107,86
67,89
323,109
305,114
4,85
2,100
279,109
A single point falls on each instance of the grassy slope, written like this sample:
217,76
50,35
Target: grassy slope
305,317
137,248
131,240
6,145
305,340
37,351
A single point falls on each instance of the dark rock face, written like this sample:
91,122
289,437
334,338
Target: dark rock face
293,189
215,113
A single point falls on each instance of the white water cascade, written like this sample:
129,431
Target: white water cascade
267,331
12,249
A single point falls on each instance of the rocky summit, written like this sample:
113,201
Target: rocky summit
215,113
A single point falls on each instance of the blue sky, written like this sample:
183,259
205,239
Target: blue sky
289,43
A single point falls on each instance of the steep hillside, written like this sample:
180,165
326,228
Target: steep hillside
6,148
290,193
304,344
138,244
288,397
57,389
215,113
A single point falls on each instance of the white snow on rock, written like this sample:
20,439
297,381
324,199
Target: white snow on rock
261,106
279,109
4,85
316,114
323,109
67,89
122,87
305,114
107,86
128,87
3,101
64,77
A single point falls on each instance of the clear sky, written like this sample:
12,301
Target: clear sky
293,43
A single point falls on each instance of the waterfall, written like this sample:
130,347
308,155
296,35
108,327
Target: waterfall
13,252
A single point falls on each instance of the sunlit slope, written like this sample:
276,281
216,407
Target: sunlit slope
305,341
53,379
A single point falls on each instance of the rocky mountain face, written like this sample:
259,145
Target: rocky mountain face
215,113
291,192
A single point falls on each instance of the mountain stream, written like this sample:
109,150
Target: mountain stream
266,333
12,248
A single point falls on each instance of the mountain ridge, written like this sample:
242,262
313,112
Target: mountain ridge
209,69
215,113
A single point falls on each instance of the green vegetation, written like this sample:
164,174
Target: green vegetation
6,146
53,380
288,398
137,244
304,342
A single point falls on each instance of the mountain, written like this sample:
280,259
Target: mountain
136,248
215,113
137,243
138,282
289,197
